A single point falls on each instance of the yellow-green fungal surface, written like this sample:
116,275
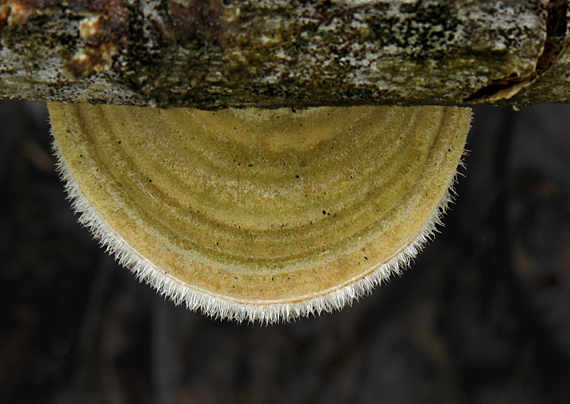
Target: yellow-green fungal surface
260,214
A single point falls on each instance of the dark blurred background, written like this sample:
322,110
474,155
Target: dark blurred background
483,315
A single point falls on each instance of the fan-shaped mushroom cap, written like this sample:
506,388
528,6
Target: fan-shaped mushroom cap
260,214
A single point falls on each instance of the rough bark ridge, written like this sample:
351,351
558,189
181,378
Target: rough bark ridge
296,53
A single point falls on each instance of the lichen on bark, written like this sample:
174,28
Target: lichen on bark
274,53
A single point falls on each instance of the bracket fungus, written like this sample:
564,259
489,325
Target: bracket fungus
260,215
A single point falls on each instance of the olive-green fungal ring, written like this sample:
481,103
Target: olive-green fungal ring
260,215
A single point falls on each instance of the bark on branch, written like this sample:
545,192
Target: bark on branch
295,53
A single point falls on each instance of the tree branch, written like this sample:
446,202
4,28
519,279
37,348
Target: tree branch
294,53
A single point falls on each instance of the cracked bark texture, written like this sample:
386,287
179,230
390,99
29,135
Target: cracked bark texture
275,53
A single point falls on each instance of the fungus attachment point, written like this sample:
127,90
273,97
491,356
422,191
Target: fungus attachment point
255,214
